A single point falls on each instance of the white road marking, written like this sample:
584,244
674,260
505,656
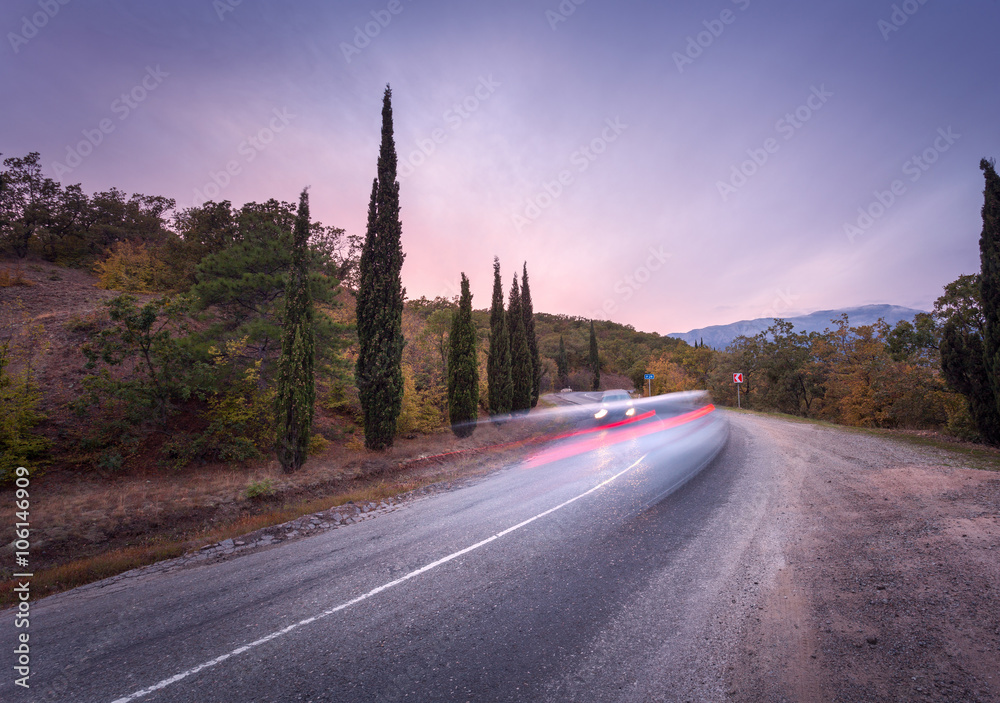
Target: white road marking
423,569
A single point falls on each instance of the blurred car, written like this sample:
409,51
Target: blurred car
616,405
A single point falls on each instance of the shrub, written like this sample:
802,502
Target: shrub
259,489
317,445
422,409
132,268
10,278
240,417
19,394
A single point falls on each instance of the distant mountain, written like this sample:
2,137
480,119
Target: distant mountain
720,336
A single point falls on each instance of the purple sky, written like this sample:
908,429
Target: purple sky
677,166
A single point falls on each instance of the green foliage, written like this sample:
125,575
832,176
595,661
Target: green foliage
296,382
240,281
27,202
964,369
256,490
500,383
143,342
141,369
845,374
522,375
528,312
20,396
595,361
378,373
914,340
244,283
562,365
463,371
989,276
240,416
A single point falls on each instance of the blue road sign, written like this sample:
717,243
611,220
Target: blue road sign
649,377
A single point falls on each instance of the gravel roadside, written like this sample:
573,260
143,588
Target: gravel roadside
885,581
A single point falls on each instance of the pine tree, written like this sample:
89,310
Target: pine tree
595,361
498,370
379,373
296,384
528,312
562,365
463,367
989,278
521,374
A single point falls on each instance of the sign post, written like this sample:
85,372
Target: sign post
738,379
649,387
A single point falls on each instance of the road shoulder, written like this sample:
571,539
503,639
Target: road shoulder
890,583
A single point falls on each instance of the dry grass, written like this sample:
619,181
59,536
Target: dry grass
13,276
86,526
170,514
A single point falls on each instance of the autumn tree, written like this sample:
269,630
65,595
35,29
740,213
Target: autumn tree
379,373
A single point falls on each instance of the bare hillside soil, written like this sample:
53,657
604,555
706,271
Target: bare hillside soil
152,511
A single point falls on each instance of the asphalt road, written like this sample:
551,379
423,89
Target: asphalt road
583,574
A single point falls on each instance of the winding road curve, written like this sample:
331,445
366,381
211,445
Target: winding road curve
615,565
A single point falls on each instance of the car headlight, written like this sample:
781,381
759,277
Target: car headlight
600,413
630,412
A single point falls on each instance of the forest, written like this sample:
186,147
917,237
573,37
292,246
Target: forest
179,364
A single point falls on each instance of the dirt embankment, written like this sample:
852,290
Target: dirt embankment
890,584
77,513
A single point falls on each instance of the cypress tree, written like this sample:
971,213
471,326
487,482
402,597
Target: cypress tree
962,363
463,367
562,365
498,376
379,373
595,361
296,383
528,312
521,374
989,279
